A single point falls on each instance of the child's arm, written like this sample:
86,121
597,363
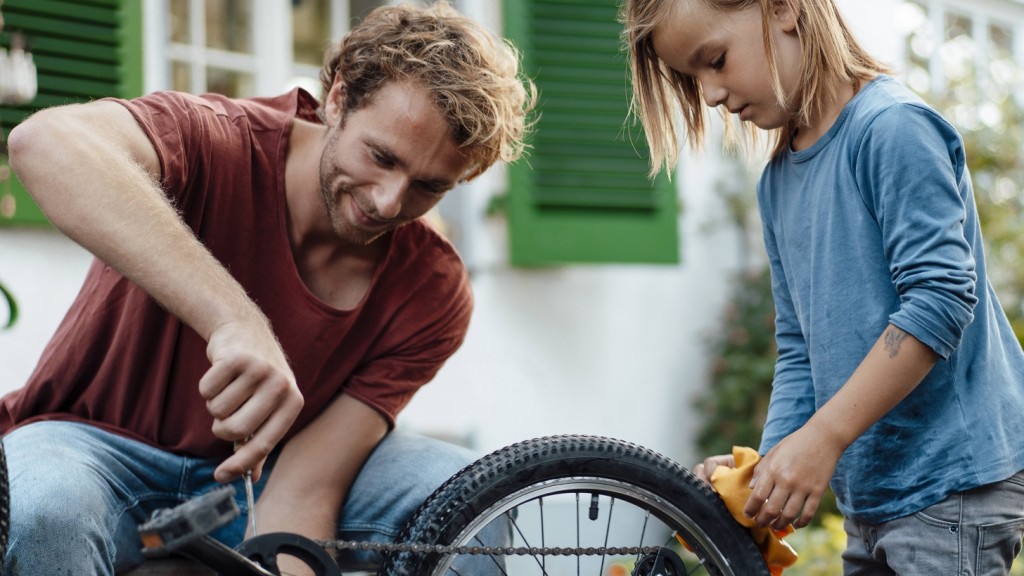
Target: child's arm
792,476
792,401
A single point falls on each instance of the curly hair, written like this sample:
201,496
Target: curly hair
473,77
832,58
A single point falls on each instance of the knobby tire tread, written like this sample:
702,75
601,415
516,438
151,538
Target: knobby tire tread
458,501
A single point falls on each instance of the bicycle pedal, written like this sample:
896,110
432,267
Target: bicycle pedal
170,528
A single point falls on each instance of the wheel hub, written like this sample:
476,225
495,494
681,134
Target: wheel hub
664,562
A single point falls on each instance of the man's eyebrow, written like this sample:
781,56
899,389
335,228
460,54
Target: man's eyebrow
385,151
438,185
388,155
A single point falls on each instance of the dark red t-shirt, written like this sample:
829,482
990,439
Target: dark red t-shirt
120,361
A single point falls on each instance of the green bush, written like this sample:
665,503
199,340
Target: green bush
12,307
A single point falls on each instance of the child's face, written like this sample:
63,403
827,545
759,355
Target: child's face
724,53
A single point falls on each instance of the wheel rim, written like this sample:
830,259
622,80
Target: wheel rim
658,514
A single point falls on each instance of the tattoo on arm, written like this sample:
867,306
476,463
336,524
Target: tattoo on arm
893,339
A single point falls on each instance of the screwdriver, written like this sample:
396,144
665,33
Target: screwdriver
250,501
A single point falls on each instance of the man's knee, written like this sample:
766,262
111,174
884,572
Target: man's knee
64,513
395,480
422,464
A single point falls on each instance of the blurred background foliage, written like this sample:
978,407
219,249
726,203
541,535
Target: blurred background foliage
8,302
985,105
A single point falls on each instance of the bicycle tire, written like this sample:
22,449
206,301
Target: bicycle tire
590,465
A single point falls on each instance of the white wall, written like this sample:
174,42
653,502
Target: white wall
44,271
612,350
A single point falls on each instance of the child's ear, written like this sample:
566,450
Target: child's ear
786,13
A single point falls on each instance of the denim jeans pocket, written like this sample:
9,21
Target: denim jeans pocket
947,513
998,545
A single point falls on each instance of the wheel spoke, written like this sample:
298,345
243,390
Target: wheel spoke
577,532
526,543
543,540
607,530
643,530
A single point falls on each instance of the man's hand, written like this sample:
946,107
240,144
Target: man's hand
790,480
251,393
705,469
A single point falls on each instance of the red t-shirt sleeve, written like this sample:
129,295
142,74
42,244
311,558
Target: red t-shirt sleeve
428,328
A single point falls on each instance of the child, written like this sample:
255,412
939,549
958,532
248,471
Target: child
898,375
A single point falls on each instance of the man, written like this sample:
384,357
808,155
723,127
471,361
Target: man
263,282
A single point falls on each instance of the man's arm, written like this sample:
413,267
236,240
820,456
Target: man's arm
95,174
316,468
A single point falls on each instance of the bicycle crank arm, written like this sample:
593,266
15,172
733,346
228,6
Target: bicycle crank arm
220,558
265,549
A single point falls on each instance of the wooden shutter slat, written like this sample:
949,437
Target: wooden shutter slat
584,195
99,71
68,11
39,25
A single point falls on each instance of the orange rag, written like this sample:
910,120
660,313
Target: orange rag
733,485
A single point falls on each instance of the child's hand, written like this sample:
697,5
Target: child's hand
791,478
705,469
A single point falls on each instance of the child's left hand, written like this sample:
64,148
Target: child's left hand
791,478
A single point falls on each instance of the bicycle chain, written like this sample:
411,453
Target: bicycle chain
389,547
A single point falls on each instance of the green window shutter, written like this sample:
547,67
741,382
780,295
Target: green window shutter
582,195
83,50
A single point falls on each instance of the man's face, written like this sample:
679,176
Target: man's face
387,163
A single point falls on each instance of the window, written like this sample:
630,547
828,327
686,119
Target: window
961,50
210,46
245,48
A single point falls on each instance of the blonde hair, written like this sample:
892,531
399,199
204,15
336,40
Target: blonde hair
831,60
472,76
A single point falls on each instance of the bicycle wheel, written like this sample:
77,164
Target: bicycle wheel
574,493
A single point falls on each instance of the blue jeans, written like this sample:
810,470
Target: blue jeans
973,533
78,494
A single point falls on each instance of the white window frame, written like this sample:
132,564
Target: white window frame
271,64
1009,13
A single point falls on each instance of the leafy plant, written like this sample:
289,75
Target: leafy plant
12,307
995,156
741,374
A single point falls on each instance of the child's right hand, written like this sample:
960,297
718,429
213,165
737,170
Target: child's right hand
705,469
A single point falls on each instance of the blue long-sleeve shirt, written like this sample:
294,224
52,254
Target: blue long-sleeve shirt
875,224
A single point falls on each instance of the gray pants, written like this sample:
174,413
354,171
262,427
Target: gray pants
973,533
